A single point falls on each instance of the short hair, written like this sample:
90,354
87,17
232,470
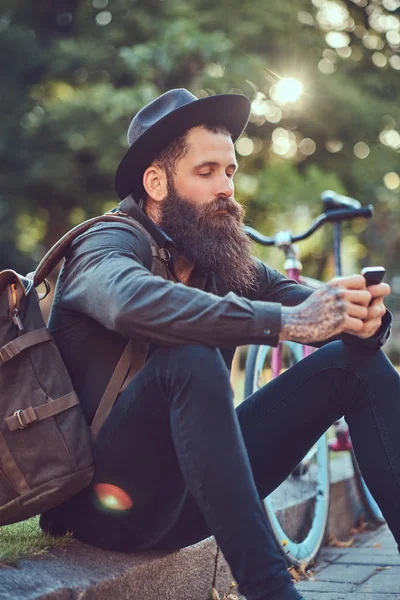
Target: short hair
169,156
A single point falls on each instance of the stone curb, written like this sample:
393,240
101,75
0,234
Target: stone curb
82,572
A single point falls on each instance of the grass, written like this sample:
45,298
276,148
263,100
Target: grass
24,539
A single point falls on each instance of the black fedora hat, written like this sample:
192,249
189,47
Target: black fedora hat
168,117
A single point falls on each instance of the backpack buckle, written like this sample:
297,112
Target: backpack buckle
18,415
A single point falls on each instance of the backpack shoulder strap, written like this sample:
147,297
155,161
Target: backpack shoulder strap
135,353
113,388
161,256
58,251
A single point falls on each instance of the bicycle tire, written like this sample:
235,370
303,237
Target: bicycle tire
372,510
299,529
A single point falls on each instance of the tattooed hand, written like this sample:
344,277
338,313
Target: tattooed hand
342,305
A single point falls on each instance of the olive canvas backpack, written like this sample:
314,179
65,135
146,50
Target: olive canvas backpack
45,441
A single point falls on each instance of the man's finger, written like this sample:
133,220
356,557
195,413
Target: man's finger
380,289
352,325
354,282
362,297
371,327
376,310
359,312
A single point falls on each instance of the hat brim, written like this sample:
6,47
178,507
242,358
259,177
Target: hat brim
230,110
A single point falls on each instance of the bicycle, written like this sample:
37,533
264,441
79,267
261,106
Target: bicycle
298,509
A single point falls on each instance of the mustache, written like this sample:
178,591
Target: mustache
232,207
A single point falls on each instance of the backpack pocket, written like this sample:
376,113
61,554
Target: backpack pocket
12,481
7,489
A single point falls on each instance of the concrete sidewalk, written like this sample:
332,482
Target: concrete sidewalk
367,570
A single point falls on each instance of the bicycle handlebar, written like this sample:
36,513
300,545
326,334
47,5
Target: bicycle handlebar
332,216
332,200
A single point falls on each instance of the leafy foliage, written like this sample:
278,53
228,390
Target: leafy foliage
75,71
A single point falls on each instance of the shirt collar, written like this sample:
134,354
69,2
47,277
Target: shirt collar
130,207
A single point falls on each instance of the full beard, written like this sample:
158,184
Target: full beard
213,241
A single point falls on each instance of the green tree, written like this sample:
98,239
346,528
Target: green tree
74,72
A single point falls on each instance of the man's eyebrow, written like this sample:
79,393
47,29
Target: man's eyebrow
211,163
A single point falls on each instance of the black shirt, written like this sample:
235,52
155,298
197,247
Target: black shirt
107,294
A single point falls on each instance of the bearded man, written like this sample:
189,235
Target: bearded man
183,463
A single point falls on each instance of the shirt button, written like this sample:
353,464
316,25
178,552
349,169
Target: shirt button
267,331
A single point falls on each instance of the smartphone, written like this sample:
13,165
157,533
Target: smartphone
373,275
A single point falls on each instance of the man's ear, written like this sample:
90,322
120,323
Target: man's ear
155,183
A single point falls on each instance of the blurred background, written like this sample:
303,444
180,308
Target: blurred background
323,77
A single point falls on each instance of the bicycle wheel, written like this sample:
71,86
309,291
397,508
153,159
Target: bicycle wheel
298,509
371,508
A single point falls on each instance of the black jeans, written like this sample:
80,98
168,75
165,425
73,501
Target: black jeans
193,466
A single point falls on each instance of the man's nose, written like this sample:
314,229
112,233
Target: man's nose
224,187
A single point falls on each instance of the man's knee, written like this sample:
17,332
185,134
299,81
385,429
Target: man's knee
369,367
354,356
194,361
194,374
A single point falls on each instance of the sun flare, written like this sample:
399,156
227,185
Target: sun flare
287,90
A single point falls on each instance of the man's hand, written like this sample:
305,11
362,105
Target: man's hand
342,305
376,310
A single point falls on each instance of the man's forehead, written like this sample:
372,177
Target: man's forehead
205,145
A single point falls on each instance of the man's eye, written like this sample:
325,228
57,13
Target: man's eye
205,174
